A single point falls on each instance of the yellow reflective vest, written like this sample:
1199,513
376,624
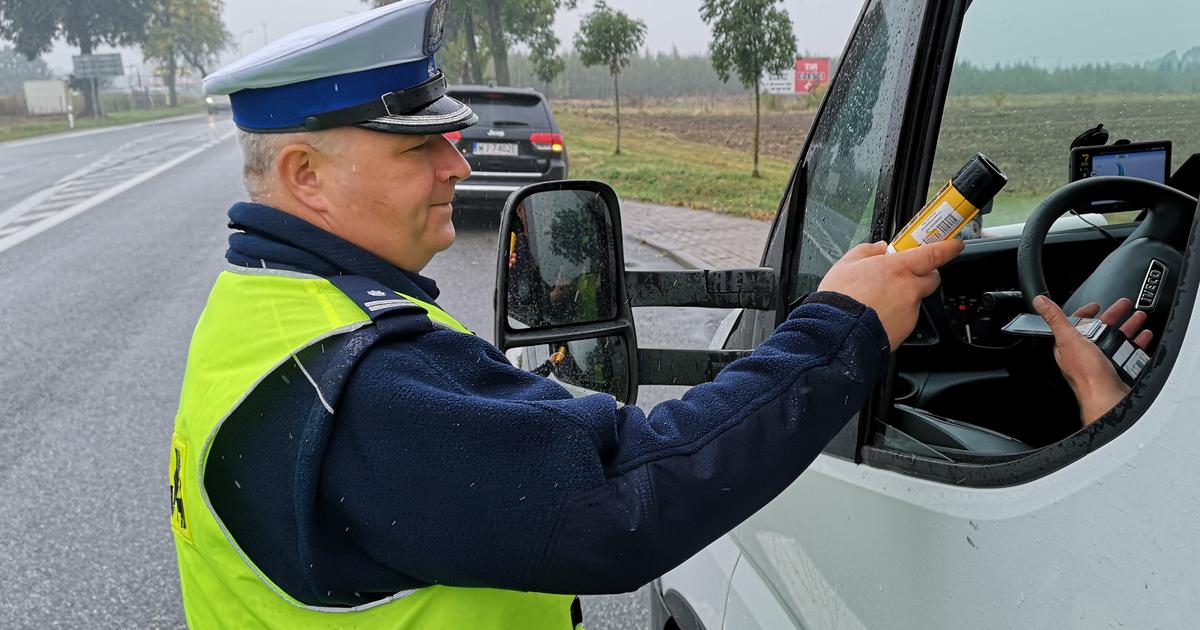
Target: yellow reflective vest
254,321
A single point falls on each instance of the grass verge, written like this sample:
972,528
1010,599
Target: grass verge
659,167
28,126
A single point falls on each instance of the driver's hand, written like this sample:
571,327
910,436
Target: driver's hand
1089,373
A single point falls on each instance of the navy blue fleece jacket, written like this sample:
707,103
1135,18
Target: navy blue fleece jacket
448,465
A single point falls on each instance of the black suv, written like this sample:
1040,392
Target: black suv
515,143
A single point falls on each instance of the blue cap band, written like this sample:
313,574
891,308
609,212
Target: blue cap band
285,107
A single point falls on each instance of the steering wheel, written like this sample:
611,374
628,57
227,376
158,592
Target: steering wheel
1145,268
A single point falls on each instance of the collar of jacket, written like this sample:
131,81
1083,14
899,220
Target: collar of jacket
266,237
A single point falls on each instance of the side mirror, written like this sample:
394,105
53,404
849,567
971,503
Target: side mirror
564,301
560,287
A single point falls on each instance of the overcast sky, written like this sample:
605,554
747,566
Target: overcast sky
997,30
821,25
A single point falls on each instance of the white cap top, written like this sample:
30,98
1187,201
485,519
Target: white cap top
406,31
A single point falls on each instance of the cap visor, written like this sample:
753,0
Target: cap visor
441,116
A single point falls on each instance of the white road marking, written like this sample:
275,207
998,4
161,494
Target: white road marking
820,248
67,135
40,214
32,201
37,228
27,204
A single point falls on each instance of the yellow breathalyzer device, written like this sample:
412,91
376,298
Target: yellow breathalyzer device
955,205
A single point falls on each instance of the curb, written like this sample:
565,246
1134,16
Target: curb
685,259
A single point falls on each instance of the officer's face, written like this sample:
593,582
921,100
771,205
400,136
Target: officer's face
390,193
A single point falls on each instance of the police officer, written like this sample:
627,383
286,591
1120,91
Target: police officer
346,454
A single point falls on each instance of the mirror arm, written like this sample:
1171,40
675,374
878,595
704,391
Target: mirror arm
705,288
563,334
683,367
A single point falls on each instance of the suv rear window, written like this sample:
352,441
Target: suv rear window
507,110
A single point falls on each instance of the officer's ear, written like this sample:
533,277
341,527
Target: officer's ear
298,167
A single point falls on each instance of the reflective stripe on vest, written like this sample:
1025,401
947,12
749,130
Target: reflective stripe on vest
254,321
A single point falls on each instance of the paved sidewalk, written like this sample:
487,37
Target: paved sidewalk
700,239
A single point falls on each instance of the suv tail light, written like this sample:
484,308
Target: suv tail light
547,141
453,136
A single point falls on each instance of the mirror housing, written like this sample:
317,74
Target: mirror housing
560,285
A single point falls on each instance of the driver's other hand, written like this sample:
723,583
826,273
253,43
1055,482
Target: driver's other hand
1089,373
1121,314
892,284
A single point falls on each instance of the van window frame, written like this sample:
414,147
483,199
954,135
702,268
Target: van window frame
911,184
903,124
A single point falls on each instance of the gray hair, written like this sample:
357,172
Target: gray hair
258,157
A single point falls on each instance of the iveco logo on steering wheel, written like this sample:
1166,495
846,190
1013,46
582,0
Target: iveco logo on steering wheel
1155,275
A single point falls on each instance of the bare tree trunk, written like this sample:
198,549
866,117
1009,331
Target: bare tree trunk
757,118
172,64
91,104
172,70
617,99
496,37
473,65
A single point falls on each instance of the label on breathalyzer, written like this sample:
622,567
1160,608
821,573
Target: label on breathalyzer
1131,359
938,225
1136,363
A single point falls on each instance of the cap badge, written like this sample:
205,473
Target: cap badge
434,26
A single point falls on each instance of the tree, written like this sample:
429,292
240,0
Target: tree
527,22
608,37
15,70
461,54
475,28
190,31
34,25
750,38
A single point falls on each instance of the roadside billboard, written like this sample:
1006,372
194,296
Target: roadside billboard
44,98
780,82
811,73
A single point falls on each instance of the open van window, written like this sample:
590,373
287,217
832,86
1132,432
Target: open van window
968,403
1028,79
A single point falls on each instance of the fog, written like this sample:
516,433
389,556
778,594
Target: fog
821,25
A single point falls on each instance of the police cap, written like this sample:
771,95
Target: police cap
373,69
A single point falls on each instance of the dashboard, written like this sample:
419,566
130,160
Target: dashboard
980,292
959,364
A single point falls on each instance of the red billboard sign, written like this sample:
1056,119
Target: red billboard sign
810,73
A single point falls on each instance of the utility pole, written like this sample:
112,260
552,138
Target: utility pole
242,41
97,111
265,42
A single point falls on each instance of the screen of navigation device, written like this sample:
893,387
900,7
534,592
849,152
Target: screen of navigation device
1144,160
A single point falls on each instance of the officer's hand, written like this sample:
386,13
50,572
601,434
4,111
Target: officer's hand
1089,373
892,284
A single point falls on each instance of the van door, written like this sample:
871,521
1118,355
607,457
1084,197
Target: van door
839,197
846,178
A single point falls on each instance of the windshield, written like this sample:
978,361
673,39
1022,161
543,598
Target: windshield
495,109
1030,76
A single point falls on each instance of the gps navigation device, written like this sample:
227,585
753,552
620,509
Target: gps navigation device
1145,160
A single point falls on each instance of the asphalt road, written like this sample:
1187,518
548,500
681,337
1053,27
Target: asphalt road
109,243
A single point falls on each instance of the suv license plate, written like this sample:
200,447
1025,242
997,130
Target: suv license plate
496,148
